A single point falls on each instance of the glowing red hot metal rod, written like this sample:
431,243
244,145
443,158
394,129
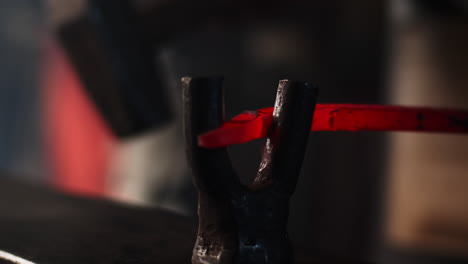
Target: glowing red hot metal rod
251,125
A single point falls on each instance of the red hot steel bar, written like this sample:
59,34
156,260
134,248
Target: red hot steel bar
251,125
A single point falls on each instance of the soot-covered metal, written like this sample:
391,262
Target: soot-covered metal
239,223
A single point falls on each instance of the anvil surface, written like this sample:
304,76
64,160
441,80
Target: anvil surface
44,226
48,227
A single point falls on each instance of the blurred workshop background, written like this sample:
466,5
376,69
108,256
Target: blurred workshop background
90,103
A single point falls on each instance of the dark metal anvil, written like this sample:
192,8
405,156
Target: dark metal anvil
246,223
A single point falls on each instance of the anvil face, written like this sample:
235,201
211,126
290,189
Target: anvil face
46,227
